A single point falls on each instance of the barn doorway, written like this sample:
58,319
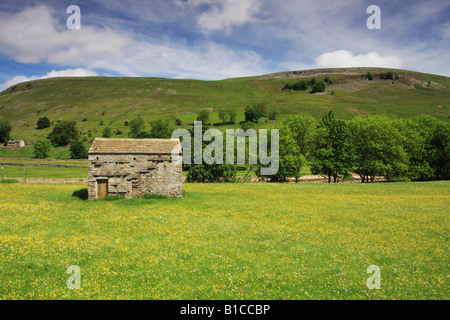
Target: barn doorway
102,188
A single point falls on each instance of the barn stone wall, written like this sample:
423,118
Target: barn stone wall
135,175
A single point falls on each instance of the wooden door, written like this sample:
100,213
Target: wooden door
102,188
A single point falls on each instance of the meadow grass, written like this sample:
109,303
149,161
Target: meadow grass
74,162
227,241
42,172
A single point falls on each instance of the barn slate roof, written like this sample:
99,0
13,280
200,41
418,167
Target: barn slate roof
135,146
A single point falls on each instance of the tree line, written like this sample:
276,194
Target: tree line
417,148
396,148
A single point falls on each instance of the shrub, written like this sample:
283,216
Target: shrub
107,132
389,75
300,85
211,173
247,125
370,76
318,87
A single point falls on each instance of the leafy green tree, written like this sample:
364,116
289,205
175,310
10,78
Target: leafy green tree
160,129
78,150
302,128
223,115
333,154
418,133
229,114
136,127
63,133
203,116
289,157
42,148
232,114
379,148
5,131
440,151
210,172
370,76
253,113
43,123
107,132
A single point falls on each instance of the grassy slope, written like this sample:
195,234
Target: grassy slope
123,99
225,241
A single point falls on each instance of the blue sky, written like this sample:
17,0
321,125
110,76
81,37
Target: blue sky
218,39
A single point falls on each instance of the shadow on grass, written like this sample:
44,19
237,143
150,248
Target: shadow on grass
81,194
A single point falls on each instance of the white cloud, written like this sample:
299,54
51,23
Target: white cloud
79,72
34,35
225,14
346,59
207,61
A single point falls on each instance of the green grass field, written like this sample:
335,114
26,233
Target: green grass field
42,172
228,241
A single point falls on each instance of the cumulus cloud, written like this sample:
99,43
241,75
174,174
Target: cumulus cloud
34,35
79,72
347,59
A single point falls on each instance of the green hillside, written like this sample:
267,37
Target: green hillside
97,102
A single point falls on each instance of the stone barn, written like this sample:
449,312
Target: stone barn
135,167
15,144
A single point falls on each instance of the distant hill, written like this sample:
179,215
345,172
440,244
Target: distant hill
96,102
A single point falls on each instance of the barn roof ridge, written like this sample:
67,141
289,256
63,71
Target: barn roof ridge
134,146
